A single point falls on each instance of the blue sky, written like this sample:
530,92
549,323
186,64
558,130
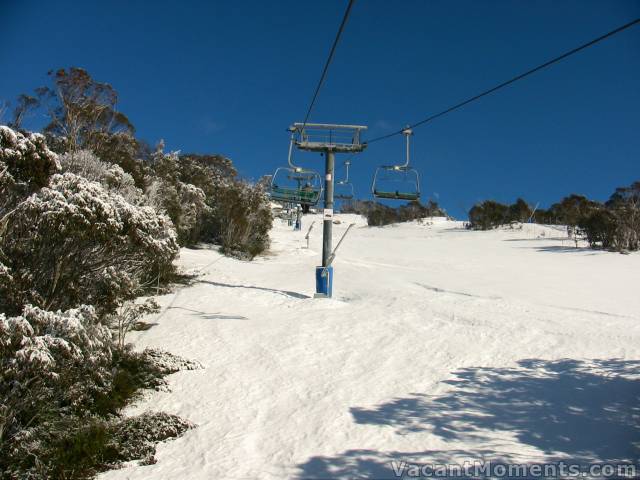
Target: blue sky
229,77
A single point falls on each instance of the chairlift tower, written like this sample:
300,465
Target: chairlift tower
327,139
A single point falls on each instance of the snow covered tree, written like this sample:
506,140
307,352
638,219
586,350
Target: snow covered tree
123,149
206,170
75,242
80,109
82,114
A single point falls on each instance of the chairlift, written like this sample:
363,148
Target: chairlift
294,184
344,188
397,182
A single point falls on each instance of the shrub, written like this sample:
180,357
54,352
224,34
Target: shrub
112,177
241,219
25,166
124,150
206,202
80,448
51,364
74,242
27,158
127,315
62,386
183,202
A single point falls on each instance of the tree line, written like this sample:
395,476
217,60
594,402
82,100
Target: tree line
612,225
378,214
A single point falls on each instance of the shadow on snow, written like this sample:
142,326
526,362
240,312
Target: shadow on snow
577,411
210,316
286,293
566,249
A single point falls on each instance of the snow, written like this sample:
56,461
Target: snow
440,345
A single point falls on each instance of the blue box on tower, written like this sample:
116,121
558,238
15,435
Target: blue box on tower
324,282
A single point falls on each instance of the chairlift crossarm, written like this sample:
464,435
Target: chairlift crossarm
318,137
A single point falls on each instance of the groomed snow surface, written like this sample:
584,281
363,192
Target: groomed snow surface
440,345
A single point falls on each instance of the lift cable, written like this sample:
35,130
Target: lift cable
326,65
514,79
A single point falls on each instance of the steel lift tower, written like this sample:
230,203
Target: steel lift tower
327,139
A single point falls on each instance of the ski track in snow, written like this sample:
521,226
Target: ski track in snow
440,345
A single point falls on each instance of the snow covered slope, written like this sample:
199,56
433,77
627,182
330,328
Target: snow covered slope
440,345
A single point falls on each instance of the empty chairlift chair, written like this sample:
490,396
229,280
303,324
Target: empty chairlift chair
344,188
397,182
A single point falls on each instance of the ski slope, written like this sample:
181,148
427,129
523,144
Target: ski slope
440,345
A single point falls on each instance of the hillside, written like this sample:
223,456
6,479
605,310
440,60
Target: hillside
440,345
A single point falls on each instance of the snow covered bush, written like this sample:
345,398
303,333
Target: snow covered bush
183,202
242,218
62,384
206,202
85,164
25,166
82,448
124,150
50,364
127,315
136,437
74,242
